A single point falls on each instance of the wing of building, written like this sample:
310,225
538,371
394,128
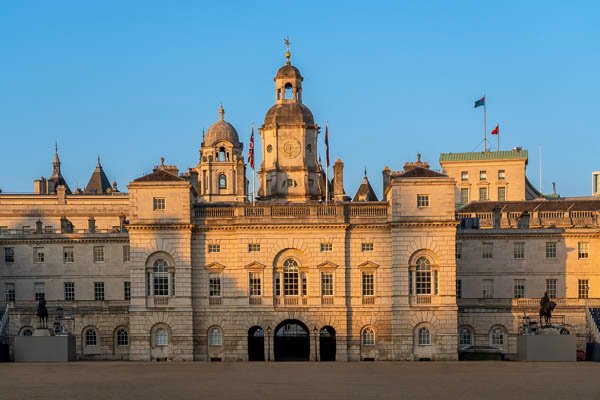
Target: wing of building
183,266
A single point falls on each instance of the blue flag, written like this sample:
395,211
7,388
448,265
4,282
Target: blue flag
480,102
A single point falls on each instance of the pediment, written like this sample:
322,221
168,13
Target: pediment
255,266
368,265
327,265
215,266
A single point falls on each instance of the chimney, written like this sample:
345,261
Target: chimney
497,221
91,225
338,180
386,177
523,221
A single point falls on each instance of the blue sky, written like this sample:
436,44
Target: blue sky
134,81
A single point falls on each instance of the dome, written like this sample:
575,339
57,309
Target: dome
289,113
221,131
288,71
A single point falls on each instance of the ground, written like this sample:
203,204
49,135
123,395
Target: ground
366,380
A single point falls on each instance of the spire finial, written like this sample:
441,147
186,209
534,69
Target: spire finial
221,112
98,160
288,55
55,147
365,171
418,157
203,135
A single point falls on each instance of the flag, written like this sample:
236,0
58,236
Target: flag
327,143
251,150
496,130
480,102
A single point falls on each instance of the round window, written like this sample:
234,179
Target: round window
269,148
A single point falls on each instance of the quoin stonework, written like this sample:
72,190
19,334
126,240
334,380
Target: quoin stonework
184,265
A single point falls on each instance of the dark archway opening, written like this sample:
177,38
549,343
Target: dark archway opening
256,344
327,343
291,341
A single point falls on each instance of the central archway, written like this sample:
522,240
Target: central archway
291,341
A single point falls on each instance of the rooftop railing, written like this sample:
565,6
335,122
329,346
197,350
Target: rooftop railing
537,219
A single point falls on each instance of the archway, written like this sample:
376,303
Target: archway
291,341
256,344
327,343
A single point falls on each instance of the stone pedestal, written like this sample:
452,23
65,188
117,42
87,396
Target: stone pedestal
44,348
546,348
43,332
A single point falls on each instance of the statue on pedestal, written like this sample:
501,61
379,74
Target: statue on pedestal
42,313
547,306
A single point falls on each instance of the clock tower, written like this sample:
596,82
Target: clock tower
289,170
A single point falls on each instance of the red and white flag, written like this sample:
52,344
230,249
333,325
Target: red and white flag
251,150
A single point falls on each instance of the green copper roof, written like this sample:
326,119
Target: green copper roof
487,155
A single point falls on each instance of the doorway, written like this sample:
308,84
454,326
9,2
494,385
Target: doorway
291,341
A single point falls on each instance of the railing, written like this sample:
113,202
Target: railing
592,325
538,219
161,301
560,302
254,211
552,214
255,301
213,212
327,300
59,232
368,211
327,211
368,300
290,300
421,299
290,211
215,301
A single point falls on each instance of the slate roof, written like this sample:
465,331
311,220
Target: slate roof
98,183
484,155
365,191
418,172
566,204
159,175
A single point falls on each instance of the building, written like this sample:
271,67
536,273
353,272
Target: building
183,267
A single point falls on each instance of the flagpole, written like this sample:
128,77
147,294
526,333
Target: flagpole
327,166
484,124
498,141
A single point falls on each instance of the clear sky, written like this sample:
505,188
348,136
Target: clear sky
134,81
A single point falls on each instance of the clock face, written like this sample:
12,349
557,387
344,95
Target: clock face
291,148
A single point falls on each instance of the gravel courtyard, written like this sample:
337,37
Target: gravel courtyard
389,380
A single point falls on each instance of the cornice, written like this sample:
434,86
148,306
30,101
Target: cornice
160,227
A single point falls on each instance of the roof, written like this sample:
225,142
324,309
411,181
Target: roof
98,183
418,172
221,131
484,155
365,192
289,113
288,71
566,204
159,175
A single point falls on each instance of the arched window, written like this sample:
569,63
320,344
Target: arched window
290,277
26,332
222,181
424,337
464,337
161,337
122,338
288,91
367,337
221,154
423,276
497,337
215,338
160,278
91,338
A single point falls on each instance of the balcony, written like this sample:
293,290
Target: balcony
215,301
368,300
255,301
327,300
161,301
423,300
290,300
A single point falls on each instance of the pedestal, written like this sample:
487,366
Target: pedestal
546,348
44,348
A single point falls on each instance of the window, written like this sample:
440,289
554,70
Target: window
464,175
214,284
551,288
326,247
158,203
367,337
497,337
519,250
464,337
222,182
9,292
501,174
215,337
254,285
277,284
583,250
91,337
423,276
290,278
68,255
38,255
304,284
39,289
214,248
367,246
464,195
122,338
583,287
424,337
98,254
487,250
69,291
482,175
368,284
459,289
160,278
501,193
458,250
126,253
483,194
161,338
48,229
9,255
422,200
519,289
326,284
488,288
99,291
550,249
127,290
253,247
